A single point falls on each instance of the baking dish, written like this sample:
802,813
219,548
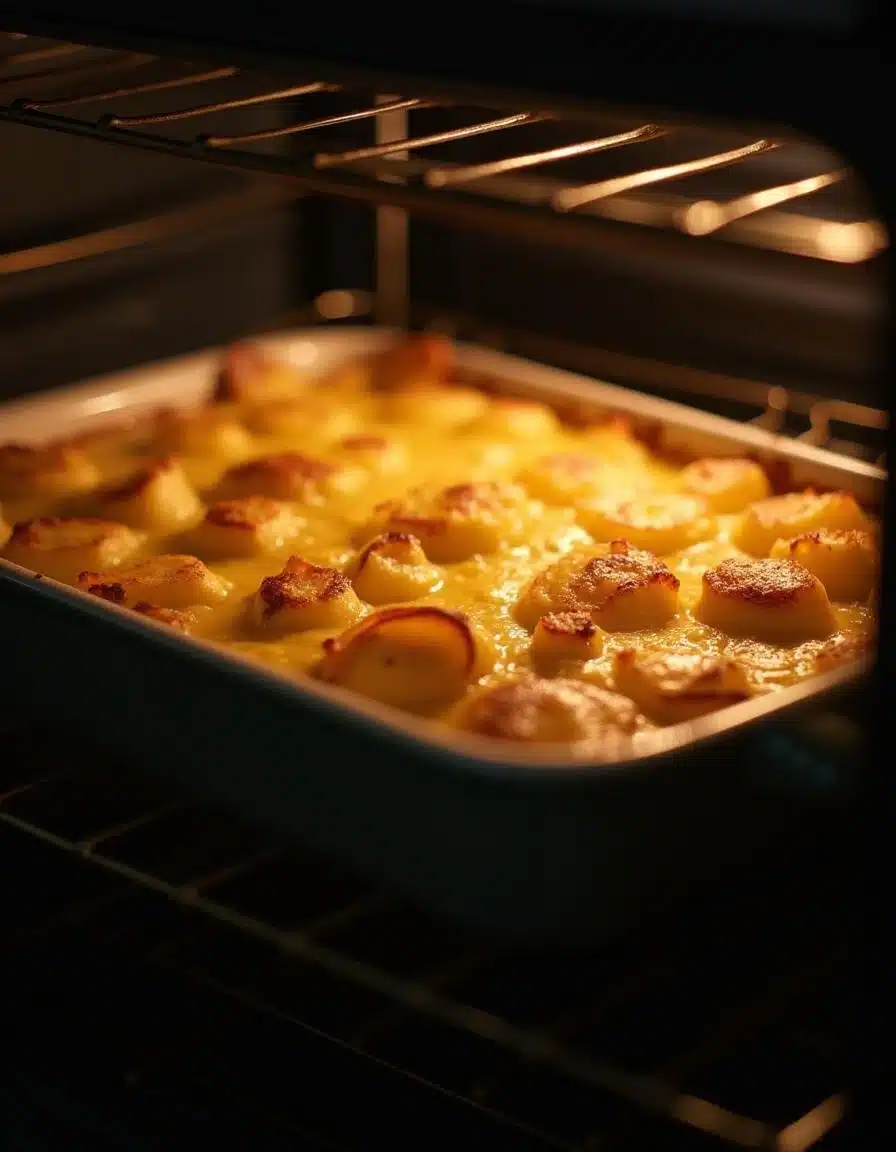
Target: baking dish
526,843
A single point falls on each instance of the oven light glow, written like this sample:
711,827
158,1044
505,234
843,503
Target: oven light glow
708,216
850,243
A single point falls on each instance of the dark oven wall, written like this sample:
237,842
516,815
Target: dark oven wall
112,257
223,255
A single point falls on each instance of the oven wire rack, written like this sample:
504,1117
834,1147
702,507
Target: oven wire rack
90,92
628,1037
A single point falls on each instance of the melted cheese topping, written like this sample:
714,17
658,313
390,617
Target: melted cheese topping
450,553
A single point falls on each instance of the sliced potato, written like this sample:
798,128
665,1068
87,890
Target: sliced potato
371,452
671,687
412,361
393,567
410,657
797,513
250,375
207,432
561,711
778,601
51,470
62,548
457,522
659,523
846,562
622,589
304,597
562,640
516,419
159,498
289,476
171,581
253,526
182,621
571,478
313,417
438,406
727,485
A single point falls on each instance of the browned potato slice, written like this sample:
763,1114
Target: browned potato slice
623,589
207,432
671,687
314,417
61,548
535,711
783,517
437,406
778,601
614,441
846,562
50,470
409,657
570,477
516,419
393,567
290,476
159,498
421,359
661,523
455,523
303,597
727,485
250,375
371,452
564,639
178,582
252,526
184,621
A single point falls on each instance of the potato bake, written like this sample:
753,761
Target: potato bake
450,550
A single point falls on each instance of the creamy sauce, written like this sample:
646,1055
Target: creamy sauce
484,587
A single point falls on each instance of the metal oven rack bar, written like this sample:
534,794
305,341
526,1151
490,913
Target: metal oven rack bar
587,1032
54,86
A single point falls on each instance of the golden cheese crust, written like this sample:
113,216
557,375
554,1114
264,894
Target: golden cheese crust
184,621
288,476
169,581
394,567
457,522
559,711
62,548
727,485
775,600
661,523
158,498
252,526
45,471
304,597
621,588
845,560
794,514
402,530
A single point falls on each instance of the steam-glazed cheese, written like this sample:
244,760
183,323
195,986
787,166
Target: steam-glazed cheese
399,534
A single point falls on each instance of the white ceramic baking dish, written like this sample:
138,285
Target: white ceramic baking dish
529,843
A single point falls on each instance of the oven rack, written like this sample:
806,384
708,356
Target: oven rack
629,1039
90,92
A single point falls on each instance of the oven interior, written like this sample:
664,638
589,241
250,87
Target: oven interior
180,960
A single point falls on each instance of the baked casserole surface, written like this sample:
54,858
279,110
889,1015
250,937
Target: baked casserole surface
451,551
